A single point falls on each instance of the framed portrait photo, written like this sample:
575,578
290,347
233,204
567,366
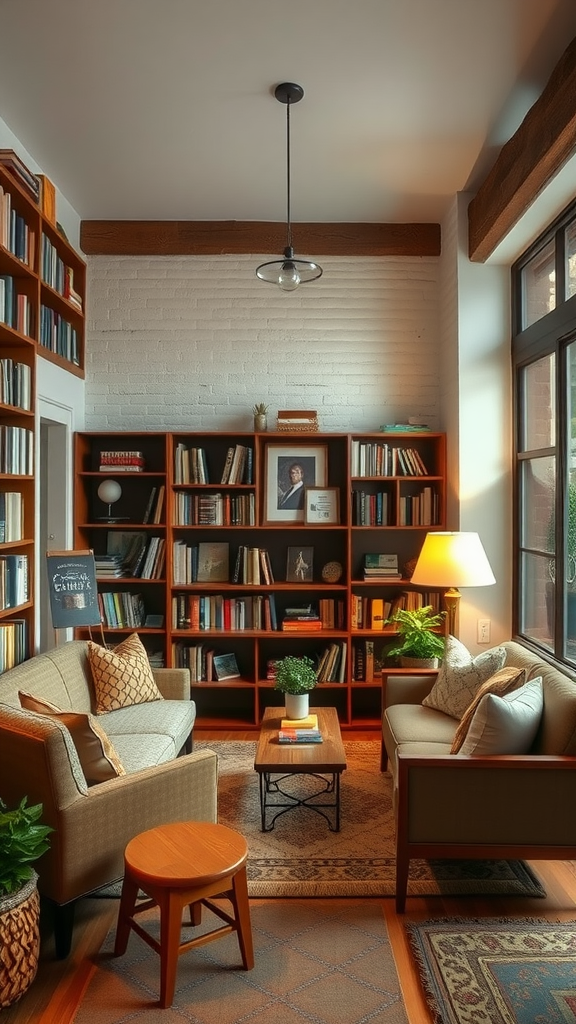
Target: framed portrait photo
289,470
321,506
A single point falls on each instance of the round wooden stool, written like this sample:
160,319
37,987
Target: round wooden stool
182,865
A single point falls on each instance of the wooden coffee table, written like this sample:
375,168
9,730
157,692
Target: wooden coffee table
324,761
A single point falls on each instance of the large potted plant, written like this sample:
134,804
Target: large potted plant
22,841
295,677
421,645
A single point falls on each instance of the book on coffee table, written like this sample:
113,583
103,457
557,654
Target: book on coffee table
310,722
299,736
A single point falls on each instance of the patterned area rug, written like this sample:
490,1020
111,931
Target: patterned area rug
301,857
325,962
497,971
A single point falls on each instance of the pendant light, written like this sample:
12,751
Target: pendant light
288,272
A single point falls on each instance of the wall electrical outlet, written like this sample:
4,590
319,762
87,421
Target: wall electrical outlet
483,636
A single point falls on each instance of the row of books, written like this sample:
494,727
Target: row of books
30,182
13,581
13,643
141,557
375,458
58,335
190,465
11,516
203,662
419,509
16,450
154,505
252,566
332,663
15,383
121,610
57,274
200,563
122,461
370,509
15,307
15,233
238,467
198,612
218,509
367,661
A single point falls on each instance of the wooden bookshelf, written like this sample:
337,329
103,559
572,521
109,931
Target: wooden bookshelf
209,514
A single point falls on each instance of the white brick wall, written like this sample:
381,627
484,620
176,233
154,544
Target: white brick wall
193,342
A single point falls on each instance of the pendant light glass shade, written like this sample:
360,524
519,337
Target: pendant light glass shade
290,271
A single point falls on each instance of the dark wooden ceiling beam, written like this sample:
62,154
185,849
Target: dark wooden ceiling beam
527,162
215,238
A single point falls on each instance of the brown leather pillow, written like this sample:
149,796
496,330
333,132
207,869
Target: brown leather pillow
503,681
96,753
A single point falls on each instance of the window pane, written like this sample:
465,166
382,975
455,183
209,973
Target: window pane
537,599
538,283
538,481
537,429
570,249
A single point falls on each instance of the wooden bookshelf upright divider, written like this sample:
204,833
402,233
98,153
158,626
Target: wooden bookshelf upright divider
188,621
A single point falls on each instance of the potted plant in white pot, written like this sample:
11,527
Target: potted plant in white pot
421,645
295,677
22,841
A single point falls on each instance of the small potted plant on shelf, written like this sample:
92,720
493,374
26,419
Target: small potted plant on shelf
22,841
260,420
295,677
421,645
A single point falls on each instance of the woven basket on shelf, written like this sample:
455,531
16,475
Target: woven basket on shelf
19,941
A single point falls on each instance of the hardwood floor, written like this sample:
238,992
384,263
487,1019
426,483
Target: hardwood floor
58,986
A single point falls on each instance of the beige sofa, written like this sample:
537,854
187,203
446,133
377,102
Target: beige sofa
93,823
454,805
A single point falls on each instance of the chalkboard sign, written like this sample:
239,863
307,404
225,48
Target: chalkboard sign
72,587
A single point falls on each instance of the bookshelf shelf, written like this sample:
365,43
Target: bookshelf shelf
245,618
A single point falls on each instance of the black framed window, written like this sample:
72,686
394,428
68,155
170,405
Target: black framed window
544,358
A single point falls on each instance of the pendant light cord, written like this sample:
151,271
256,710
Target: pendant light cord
288,221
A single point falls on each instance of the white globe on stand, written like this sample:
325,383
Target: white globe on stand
109,491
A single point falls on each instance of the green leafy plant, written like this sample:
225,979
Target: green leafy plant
295,675
260,409
22,841
417,630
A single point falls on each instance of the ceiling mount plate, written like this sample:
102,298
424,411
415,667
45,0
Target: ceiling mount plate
288,92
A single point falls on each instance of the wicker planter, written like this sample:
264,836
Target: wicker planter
19,941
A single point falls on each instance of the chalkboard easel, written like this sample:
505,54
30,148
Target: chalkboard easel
72,588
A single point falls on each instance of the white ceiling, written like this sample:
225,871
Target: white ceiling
164,109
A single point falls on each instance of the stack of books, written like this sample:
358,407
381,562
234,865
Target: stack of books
381,567
301,620
300,730
126,462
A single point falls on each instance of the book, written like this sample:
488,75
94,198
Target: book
213,558
299,736
377,613
379,560
225,667
310,722
149,504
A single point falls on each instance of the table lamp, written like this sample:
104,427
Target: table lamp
452,560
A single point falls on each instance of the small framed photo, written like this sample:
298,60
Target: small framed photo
300,565
321,506
289,470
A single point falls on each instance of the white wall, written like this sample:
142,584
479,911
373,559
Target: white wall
194,342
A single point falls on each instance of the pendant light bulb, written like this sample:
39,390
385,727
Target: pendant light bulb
288,278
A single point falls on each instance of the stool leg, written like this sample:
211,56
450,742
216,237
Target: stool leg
195,912
170,926
125,912
239,897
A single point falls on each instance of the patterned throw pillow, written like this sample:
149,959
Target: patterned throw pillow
504,681
508,724
460,676
96,753
123,676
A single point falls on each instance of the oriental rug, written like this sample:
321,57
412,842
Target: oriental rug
328,962
497,971
301,857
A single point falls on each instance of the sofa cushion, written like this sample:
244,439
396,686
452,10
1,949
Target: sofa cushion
172,718
413,723
507,679
460,676
121,676
507,724
96,753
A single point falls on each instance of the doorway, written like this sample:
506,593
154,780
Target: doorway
54,518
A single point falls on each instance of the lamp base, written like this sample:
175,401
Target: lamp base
452,600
